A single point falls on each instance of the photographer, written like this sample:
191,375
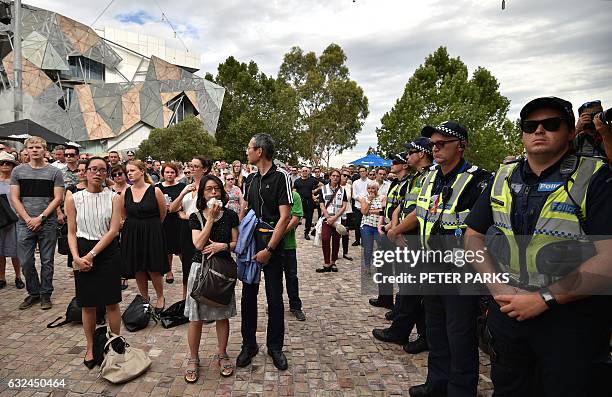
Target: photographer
603,126
588,142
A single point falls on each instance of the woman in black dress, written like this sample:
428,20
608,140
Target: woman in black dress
143,246
172,224
94,215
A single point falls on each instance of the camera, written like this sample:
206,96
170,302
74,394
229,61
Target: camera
605,116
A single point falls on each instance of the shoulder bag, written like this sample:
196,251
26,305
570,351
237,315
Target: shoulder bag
123,367
7,215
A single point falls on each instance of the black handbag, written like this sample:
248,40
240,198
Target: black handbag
174,315
215,282
7,215
74,315
138,314
62,239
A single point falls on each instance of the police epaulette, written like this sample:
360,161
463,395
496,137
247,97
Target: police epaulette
433,167
473,169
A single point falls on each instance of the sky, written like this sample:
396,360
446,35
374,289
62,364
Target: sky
534,48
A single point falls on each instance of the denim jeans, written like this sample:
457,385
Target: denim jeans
273,272
369,234
291,279
46,239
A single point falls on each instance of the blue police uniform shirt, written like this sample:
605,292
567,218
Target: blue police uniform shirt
530,192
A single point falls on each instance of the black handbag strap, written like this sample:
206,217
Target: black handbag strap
53,325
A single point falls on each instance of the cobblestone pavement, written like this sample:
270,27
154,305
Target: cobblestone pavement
332,353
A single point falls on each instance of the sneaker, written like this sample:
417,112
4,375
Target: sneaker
19,284
45,302
299,315
29,301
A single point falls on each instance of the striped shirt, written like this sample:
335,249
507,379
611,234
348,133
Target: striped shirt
94,213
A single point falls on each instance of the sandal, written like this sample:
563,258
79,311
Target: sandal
191,373
169,280
227,369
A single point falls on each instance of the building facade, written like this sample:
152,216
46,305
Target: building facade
104,89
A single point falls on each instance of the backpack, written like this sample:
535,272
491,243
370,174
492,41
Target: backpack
138,314
74,315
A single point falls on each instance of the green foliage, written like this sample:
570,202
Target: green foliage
254,103
332,108
440,90
180,142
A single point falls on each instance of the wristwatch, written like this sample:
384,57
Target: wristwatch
548,297
93,253
270,249
42,217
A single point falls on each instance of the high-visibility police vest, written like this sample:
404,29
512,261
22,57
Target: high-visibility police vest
412,192
445,212
394,198
558,245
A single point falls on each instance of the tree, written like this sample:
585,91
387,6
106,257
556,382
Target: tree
332,108
253,103
440,90
180,142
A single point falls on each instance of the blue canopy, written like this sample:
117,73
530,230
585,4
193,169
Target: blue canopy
372,160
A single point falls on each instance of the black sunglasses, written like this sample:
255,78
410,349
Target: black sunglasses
6,163
440,144
70,154
346,175
115,174
550,124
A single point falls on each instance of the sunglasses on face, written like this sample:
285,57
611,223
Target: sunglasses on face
70,154
440,144
345,175
550,124
6,163
116,174
372,174
229,179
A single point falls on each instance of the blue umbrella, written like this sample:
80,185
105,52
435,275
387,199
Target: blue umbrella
372,160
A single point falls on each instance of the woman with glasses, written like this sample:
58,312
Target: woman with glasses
238,173
8,234
371,209
143,245
347,216
94,215
235,199
214,233
172,224
185,205
332,199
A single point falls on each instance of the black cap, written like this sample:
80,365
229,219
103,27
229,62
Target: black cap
550,102
448,128
399,158
420,144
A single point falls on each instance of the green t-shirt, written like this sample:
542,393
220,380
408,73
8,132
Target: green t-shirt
296,210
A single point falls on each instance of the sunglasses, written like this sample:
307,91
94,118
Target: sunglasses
6,163
70,154
440,144
371,174
551,124
346,175
229,179
116,174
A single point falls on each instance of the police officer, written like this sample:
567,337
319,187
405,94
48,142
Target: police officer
397,190
448,192
408,309
548,334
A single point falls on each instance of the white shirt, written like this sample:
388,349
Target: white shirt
384,189
94,213
360,189
189,203
59,165
348,189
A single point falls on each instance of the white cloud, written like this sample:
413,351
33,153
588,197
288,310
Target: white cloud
534,48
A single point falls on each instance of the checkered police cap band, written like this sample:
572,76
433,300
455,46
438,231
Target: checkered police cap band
449,131
420,148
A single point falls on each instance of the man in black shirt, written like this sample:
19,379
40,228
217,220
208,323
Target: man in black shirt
307,187
268,193
550,335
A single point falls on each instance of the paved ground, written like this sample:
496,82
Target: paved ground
333,353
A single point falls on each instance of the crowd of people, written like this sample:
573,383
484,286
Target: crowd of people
128,219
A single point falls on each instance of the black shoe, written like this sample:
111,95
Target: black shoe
390,315
299,315
246,355
29,301
45,302
324,269
279,359
377,302
348,258
19,284
355,243
306,237
90,363
425,390
416,347
313,232
2,284
386,336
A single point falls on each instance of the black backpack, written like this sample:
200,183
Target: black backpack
74,315
138,314
174,315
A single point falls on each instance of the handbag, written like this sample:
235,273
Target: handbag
7,215
62,239
138,314
174,315
99,341
74,315
122,367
